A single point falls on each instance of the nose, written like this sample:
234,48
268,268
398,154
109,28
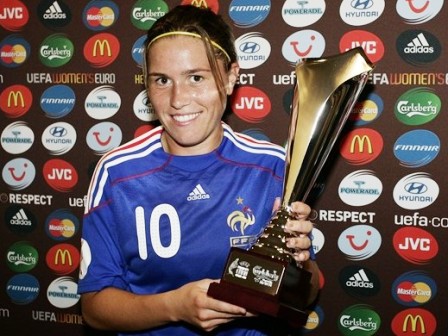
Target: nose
180,96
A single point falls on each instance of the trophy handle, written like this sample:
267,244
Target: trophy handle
326,91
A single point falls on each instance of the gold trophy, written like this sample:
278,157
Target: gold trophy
266,279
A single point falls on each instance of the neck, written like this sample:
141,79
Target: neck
171,146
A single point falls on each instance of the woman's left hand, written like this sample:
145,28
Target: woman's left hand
300,228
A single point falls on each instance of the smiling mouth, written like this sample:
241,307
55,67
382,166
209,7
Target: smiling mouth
183,118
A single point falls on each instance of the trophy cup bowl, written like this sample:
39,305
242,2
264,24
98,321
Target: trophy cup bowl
266,278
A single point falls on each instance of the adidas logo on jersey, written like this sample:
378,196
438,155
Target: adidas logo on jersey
419,45
20,218
198,193
54,12
359,279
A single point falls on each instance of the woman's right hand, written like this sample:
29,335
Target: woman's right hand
192,304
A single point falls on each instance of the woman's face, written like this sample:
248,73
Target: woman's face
185,96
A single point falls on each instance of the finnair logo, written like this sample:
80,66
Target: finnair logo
198,193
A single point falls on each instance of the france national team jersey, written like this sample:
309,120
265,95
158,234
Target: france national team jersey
155,221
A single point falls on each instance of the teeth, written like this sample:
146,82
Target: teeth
185,117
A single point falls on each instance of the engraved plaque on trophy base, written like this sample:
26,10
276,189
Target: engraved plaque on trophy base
264,285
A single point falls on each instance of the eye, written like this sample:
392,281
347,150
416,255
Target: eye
161,81
196,78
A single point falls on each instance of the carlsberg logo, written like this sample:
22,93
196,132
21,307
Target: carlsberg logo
359,320
417,106
56,50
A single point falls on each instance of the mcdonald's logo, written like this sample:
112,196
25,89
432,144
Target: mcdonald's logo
361,146
102,49
13,97
200,3
100,46
15,100
210,4
63,258
413,321
361,140
62,255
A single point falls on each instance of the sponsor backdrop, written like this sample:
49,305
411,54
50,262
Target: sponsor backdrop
71,90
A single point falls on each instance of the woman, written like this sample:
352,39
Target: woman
165,208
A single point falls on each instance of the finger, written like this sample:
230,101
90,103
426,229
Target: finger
299,243
302,256
300,210
299,227
276,205
225,309
210,324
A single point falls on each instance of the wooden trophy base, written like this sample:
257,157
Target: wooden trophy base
264,286
257,302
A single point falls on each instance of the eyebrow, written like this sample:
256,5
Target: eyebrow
187,72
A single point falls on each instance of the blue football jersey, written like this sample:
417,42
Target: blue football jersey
155,221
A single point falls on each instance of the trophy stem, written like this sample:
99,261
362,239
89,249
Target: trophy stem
272,241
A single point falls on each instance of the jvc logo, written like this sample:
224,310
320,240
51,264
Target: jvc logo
12,13
368,46
415,244
60,174
250,103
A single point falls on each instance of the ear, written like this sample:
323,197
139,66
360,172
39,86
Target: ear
232,78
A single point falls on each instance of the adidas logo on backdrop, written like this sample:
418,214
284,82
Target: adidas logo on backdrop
54,12
359,279
20,218
419,45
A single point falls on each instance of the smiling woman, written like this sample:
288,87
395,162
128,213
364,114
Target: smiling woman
162,202
185,95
